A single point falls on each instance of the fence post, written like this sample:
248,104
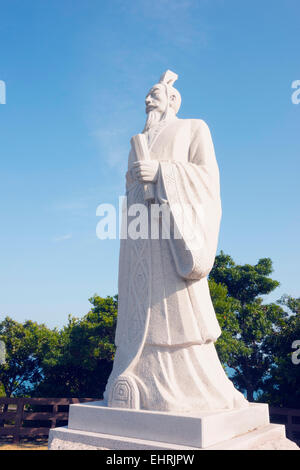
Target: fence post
53,419
18,421
21,413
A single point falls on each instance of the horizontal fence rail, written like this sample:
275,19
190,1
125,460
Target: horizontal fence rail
33,417
291,418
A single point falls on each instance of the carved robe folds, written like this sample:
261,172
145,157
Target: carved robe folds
166,328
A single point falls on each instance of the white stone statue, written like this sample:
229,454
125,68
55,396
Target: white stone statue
166,328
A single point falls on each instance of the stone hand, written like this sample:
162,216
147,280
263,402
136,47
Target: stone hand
146,171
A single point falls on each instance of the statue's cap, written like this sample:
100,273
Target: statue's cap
168,78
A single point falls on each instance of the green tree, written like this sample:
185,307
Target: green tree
25,345
226,308
80,364
249,323
244,283
282,387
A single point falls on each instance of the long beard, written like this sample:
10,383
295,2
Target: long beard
153,117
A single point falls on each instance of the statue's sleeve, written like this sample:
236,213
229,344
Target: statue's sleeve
192,192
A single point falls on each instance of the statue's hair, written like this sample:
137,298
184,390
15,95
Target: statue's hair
168,79
177,102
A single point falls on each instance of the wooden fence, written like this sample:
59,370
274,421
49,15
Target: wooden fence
291,418
33,417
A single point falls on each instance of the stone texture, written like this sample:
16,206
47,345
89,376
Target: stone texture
166,326
93,426
198,429
270,437
167,389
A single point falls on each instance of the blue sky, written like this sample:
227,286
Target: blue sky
77,73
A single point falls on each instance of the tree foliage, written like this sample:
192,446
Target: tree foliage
244,282
282,387
255,344
242,345
82,361
25,346
226,307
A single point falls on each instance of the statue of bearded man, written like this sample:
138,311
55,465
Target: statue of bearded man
166,327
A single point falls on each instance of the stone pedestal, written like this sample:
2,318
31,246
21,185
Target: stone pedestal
94,426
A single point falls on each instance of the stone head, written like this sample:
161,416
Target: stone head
163,97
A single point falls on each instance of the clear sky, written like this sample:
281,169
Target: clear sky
76,74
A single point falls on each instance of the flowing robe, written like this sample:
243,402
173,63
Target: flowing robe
166,326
